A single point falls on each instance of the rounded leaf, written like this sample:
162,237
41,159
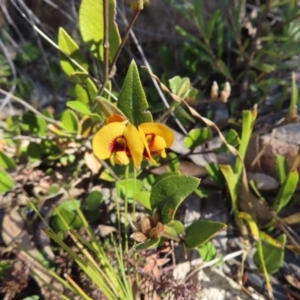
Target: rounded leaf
200,232
6,182
70,120
93,201
91,25
169,193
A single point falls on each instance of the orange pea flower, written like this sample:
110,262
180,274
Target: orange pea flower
157,137
123,141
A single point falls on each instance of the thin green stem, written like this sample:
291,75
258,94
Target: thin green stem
109,71
136,14
118,214
126,208
106,41
134,191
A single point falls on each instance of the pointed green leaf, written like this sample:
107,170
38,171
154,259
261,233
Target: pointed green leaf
70,51
91,25
286,191
149,244
215,173
173,163
143,197
132,99
199,232
107,108
83,109
6,182
169,192
86,92
273,257
282,168
6,161
79,106
232,183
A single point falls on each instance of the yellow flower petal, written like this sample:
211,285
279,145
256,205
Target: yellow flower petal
159,143
105,139
147,152
160,130
135,144
121,158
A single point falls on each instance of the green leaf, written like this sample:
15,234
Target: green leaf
107,108
91,25
143,197
282,168
286,191
203,192
231,179
199,232
79,77
207,251
66,216
34,124
5,266
273,257
169,192
93,201
83,109
175,227
70,50
162,176
28,52
232,138
53,189
180,86
197,137
132,99
6,182
149,244
174,163
86,92
35,297
215,173
69,205
70,120
35,151
128,188
6,161
80,107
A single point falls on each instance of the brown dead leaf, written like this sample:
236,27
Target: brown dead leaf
292,219
254,206
293,280
185,168
105,230
92,162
